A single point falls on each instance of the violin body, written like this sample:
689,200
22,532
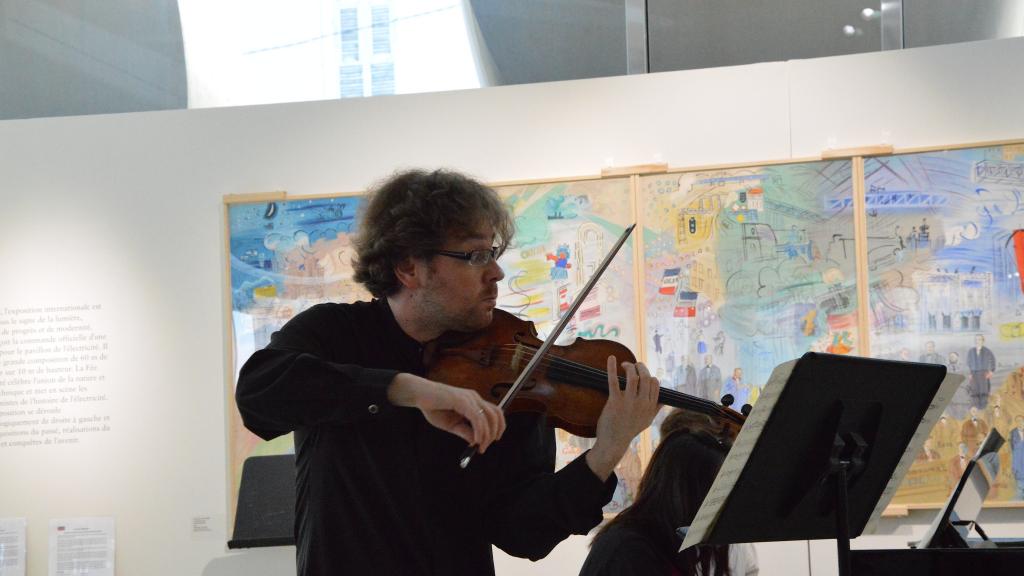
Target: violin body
570,385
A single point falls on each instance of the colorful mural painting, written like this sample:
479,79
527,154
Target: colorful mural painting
285,256
742,269
563,231
945,255
745,269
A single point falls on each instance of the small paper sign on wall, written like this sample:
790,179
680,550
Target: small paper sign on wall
12,546
81,547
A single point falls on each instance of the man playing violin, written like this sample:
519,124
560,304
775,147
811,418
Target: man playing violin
379,487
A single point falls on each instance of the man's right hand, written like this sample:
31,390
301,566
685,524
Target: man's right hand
458,411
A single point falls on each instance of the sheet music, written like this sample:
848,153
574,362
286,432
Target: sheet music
738,455
931,417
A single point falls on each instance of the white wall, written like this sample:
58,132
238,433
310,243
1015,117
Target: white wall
125,211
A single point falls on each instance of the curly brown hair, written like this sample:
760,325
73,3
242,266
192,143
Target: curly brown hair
415,212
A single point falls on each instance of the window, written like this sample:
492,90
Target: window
382,78
350,35
351,80
381,30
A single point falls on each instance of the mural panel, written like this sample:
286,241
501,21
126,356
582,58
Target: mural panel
945,256
744,269
563,231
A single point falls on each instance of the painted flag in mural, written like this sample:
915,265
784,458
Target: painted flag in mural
564,299
669,281
686,304
591,307
1018,248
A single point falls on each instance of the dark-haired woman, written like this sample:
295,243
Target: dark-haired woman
641,540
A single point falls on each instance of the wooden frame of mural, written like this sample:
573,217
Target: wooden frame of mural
739,266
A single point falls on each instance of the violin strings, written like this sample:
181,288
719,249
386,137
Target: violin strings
597,379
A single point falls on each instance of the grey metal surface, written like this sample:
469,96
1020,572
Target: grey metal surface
932,22
547,40
687,34
636,37
892,24
64,57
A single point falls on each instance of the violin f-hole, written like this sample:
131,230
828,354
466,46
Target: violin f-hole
499,390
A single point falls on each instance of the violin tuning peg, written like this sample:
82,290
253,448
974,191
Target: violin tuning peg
746,409
727,400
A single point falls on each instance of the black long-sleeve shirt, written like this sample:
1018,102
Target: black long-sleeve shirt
623,551
379,490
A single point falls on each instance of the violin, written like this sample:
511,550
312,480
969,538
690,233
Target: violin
569,386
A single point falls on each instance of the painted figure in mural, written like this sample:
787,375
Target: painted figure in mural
670,362
657,341
378,485
961,401
928,453
709,379
1015,384
982,364
957,466
734,385
973,431
1001,422
1017,454
642,540
996,417
560,270
945,434
685,377
930,356
720,343
923,232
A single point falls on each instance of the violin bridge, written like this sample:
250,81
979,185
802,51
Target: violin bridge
517,357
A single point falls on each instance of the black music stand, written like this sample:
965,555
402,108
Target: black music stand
826,452
955,520
265,515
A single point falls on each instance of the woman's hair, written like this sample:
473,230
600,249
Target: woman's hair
415,212
675,483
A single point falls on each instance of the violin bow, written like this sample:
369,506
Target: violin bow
467,454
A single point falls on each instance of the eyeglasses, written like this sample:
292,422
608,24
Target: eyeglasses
475,257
